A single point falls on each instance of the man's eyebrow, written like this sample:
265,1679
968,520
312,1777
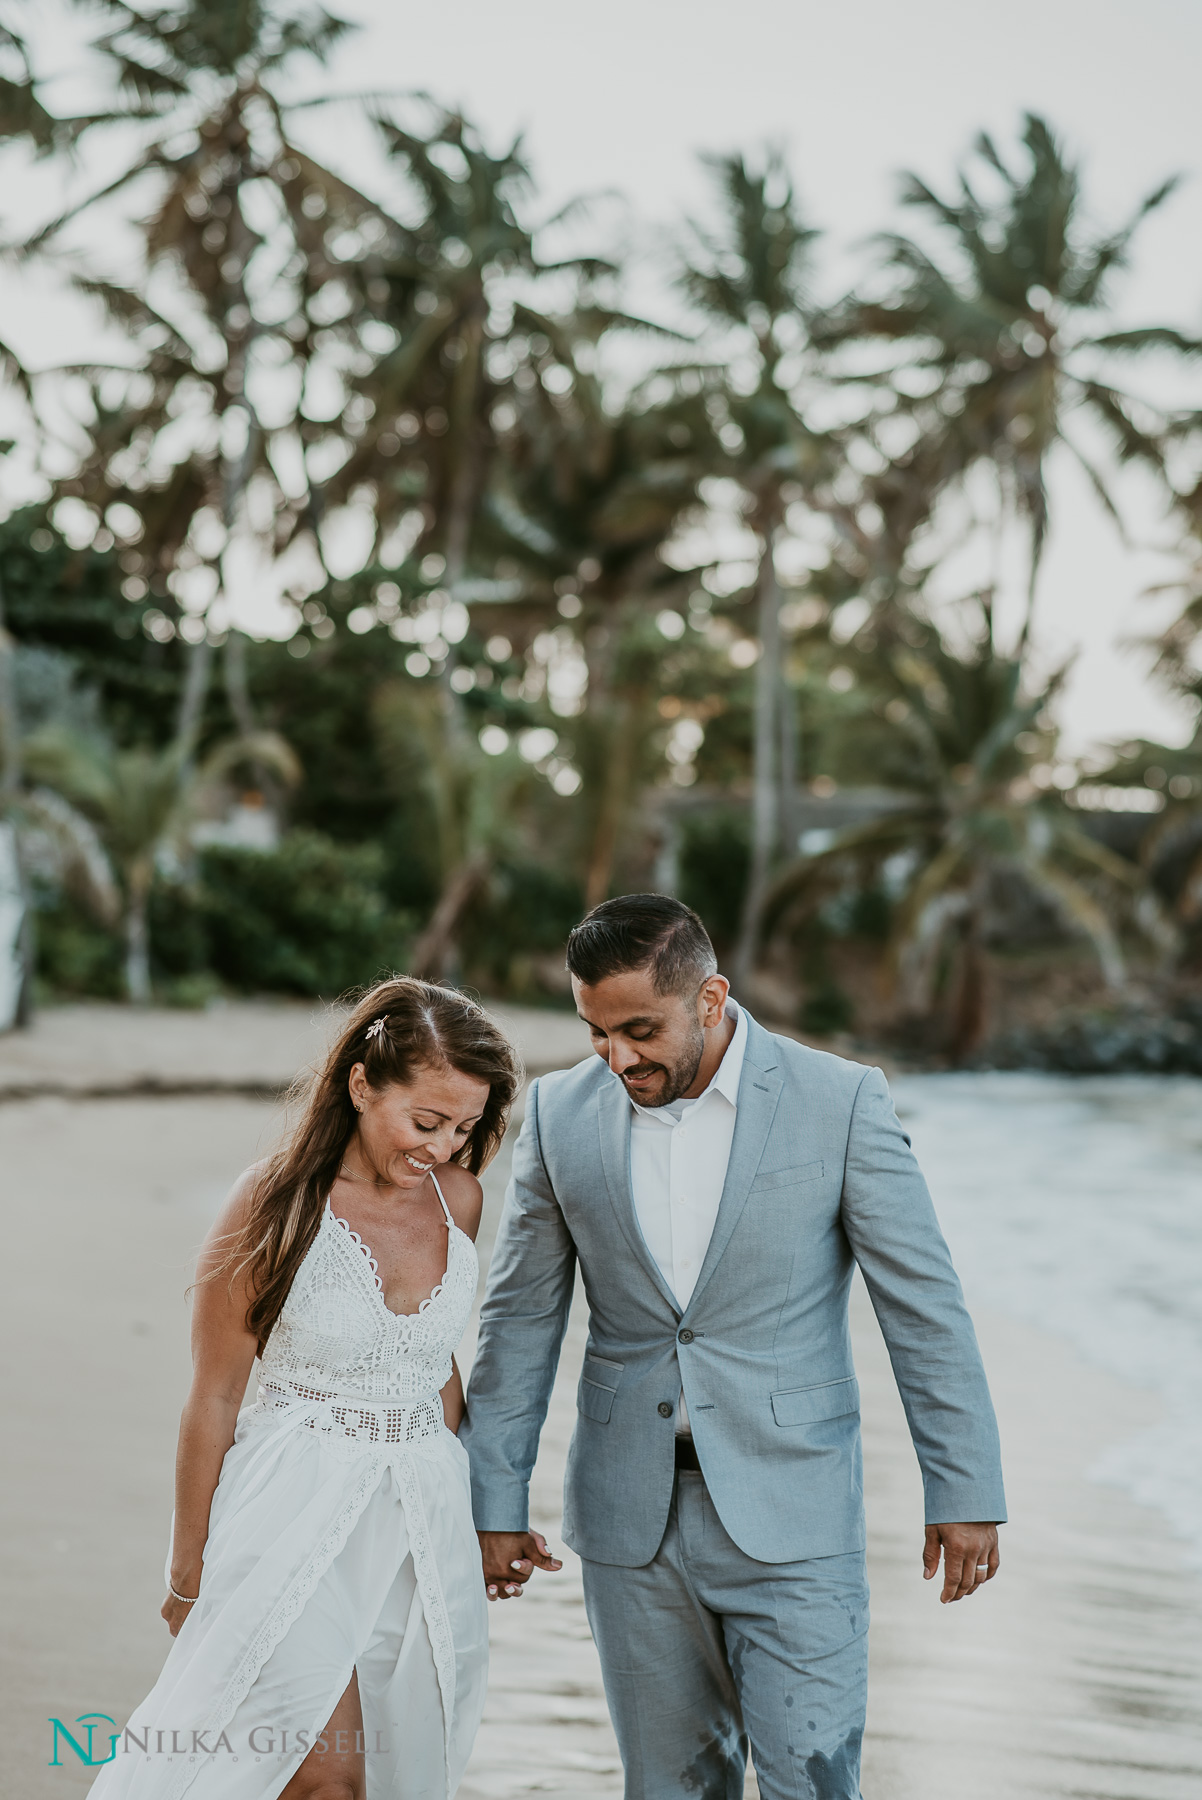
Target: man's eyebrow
626,1025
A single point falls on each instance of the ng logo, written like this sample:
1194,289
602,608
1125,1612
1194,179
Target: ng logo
89,1722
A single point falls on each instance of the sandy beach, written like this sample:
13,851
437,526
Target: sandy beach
1079,1673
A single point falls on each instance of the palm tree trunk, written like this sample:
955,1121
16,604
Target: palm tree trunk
789,758
192,700
467,482
616,794
970,1016
236,687
465,869
137,941
765,816
11,772
434,948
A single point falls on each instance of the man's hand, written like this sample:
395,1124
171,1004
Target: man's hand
970,1558
510,1559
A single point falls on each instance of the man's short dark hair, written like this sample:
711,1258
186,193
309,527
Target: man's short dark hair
643,931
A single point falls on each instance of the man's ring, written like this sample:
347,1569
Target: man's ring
982,1568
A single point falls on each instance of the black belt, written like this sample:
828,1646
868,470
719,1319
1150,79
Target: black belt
686,1455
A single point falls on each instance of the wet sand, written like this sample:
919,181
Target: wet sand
1079,1673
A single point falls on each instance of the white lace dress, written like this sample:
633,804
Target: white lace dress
340,1539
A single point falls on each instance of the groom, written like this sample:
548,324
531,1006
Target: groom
717,1185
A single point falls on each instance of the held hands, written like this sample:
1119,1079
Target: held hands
970,1558
510,1558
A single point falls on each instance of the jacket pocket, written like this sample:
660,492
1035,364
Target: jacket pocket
598,1385
809,1405
595,1402
774,1178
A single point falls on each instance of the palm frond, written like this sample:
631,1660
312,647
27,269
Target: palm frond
1077,905
1148,337
83,866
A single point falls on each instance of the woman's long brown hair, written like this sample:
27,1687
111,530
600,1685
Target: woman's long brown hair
424,1027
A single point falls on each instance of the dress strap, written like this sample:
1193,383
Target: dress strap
442,1199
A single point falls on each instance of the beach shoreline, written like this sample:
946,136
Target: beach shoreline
1078,1673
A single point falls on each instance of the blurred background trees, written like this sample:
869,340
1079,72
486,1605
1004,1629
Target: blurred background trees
393,592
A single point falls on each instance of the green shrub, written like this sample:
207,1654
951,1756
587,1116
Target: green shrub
715,856
527,912
307,918
826,1010
74,955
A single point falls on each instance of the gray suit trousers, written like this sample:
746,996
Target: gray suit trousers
705,1651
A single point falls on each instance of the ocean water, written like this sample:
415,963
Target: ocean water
1076,1204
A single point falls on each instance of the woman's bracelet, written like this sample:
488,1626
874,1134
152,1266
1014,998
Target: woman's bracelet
184,1599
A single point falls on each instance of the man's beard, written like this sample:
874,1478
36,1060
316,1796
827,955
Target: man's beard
678,1076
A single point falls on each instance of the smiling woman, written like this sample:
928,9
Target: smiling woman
398,1029
324,1576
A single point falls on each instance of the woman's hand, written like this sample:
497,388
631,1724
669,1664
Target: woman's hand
223,1350
175,1612
509,1558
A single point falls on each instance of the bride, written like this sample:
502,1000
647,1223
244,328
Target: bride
326,1596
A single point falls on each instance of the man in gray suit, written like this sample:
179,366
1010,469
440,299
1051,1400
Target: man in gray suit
717,1185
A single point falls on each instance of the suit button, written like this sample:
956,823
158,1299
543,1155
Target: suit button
665,1410
685,1336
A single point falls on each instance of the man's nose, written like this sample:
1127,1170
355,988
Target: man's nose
623,1056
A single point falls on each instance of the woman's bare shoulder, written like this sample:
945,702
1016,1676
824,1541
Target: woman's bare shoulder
236,1207
464,1196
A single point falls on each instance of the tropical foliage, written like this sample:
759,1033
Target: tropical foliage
520,599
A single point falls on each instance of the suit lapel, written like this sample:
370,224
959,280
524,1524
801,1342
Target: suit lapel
759,1092
613,1116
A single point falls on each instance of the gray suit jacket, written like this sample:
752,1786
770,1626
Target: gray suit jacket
821,1176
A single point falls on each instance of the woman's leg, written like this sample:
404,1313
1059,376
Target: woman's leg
335,1773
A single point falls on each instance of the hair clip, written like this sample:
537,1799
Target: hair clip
375,1028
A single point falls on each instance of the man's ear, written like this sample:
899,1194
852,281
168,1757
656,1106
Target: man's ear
713,998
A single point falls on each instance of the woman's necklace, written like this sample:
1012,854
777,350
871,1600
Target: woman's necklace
346,1175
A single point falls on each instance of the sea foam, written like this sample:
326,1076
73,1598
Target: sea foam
1076,1204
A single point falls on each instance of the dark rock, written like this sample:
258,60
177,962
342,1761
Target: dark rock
1112,1042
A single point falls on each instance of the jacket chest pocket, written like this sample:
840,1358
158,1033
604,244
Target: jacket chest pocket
795,1176
598,1385
810,1405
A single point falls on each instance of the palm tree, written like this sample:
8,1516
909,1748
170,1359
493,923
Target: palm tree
429,443
749,282
431,397
22,114
589,491
246,226
474,802
1003,341
1171,848
966,731
142,802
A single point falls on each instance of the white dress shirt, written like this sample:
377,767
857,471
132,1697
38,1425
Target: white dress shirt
678,1159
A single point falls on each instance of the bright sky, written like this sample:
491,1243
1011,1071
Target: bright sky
625,96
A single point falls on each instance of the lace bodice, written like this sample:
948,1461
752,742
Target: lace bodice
359,1371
